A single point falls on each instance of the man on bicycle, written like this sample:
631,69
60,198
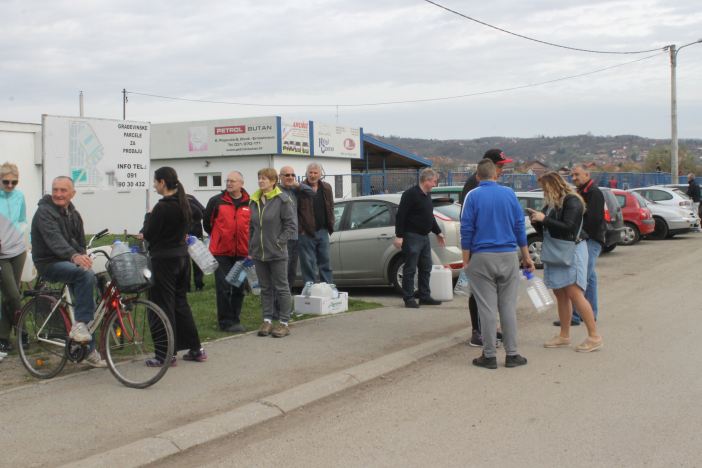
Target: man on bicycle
59,254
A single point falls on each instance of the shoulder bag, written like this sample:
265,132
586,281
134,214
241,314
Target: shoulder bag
559,252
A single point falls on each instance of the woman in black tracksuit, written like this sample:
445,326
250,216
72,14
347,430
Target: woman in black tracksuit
165,230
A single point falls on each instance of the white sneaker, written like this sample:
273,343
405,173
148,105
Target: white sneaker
3,355
80,333
93,359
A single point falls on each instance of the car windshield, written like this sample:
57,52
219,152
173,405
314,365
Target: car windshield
451,211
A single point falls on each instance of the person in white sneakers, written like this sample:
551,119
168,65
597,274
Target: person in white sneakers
59,254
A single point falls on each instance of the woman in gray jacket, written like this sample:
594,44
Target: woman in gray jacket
272,224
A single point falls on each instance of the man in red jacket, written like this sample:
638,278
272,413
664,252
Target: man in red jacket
226,220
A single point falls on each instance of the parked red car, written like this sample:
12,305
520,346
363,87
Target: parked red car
637,219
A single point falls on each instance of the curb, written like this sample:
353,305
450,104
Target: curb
152,449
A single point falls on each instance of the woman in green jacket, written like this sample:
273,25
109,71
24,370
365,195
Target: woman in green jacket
272,224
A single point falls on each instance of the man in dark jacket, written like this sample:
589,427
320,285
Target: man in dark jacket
315,223
58,251
594,230
693,191
497,156
413,223
292,188
226,220
196,212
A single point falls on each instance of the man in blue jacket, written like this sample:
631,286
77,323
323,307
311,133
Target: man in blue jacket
492,227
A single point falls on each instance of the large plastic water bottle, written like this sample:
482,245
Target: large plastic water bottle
462,285
201,255
237,274
119,247
537,292
252,277
307,290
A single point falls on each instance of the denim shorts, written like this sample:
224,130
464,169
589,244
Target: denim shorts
557,277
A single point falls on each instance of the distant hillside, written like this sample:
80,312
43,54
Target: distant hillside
553,151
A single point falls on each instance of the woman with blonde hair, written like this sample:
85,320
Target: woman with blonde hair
561,220
13,249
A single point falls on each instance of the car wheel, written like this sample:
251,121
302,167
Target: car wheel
661,230
534,243
395,273
631,234
608,248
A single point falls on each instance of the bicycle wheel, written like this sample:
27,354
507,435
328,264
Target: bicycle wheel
43,352
137,332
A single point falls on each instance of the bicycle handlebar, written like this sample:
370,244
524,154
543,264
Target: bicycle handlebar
100,234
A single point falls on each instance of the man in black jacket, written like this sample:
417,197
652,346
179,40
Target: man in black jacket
413,223
498,157
693,191
593,229
196,211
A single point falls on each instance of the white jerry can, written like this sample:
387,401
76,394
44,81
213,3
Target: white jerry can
441,283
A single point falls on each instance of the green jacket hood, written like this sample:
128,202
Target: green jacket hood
271,195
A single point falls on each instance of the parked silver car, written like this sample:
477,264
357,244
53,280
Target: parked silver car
670,220
361,248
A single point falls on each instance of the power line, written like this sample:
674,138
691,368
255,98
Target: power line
409,101
540,41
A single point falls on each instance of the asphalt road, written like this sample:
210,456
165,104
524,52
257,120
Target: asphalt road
634,403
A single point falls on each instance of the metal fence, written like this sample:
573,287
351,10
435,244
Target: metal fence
394,181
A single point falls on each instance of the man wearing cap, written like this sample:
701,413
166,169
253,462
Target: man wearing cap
497,156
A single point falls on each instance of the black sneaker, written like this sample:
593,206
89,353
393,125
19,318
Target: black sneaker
515,361
476,340
429,301
486,362
411,304
6,346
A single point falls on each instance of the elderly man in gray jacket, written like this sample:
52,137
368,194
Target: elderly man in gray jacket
58,251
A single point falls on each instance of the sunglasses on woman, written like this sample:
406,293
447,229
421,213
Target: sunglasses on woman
10,182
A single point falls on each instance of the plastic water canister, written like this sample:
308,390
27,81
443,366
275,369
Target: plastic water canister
307,290
201,255
237,274
119,247
441,283
321,290
538,292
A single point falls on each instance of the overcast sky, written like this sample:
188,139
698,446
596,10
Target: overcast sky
326,52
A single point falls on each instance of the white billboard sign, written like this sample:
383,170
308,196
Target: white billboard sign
295,137
335,141
228,137
97,153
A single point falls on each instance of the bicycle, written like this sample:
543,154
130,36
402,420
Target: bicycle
131,329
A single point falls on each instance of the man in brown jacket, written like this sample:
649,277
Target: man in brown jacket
316,223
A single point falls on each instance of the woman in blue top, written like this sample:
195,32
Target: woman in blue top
13,249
